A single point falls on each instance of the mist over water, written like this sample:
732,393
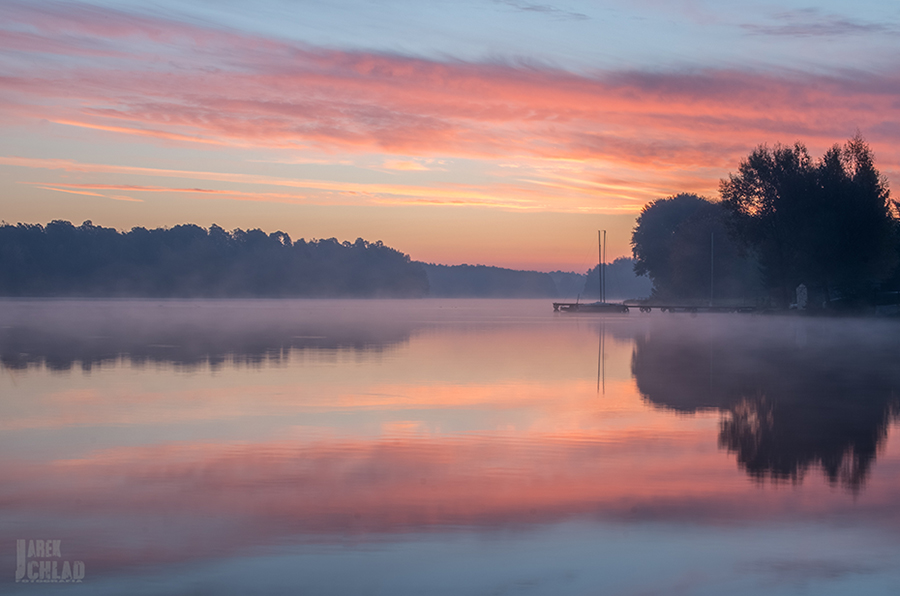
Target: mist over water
351,446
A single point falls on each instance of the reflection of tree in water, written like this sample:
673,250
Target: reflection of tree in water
60,335
794,393
21,347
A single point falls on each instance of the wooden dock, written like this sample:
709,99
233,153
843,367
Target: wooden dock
674,308
593,307
621,307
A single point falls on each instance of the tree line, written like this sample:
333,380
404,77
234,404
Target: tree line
782,220
621,282
462,281
61,259
188,261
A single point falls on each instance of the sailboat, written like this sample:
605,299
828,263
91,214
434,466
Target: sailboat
602,306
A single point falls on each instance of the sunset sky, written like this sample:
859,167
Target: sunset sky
501,132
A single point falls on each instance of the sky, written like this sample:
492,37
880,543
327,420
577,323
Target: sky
498,132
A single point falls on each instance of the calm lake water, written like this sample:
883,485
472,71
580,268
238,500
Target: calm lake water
445,447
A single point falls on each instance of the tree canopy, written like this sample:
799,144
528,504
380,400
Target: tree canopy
825,223
676,239
61,259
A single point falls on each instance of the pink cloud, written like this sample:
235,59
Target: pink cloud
668,131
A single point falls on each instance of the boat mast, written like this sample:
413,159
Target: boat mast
601,266
712,270
600,263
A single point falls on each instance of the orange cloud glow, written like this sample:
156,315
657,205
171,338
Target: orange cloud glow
634,135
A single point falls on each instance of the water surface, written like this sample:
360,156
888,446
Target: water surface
447,447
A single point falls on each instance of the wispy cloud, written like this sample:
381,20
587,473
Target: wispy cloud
72,189
402,165
508,197
160,134
812,22
546,9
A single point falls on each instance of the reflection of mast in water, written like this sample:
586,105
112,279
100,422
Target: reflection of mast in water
601,359
8,369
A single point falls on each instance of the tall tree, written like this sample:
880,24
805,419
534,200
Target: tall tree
672,244
826,223
655,231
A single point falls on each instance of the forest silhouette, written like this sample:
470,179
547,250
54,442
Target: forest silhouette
61,259
188,261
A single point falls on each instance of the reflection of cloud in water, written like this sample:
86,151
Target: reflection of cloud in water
175,502
60,334
795,393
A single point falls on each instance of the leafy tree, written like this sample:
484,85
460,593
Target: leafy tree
672,244
826,223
